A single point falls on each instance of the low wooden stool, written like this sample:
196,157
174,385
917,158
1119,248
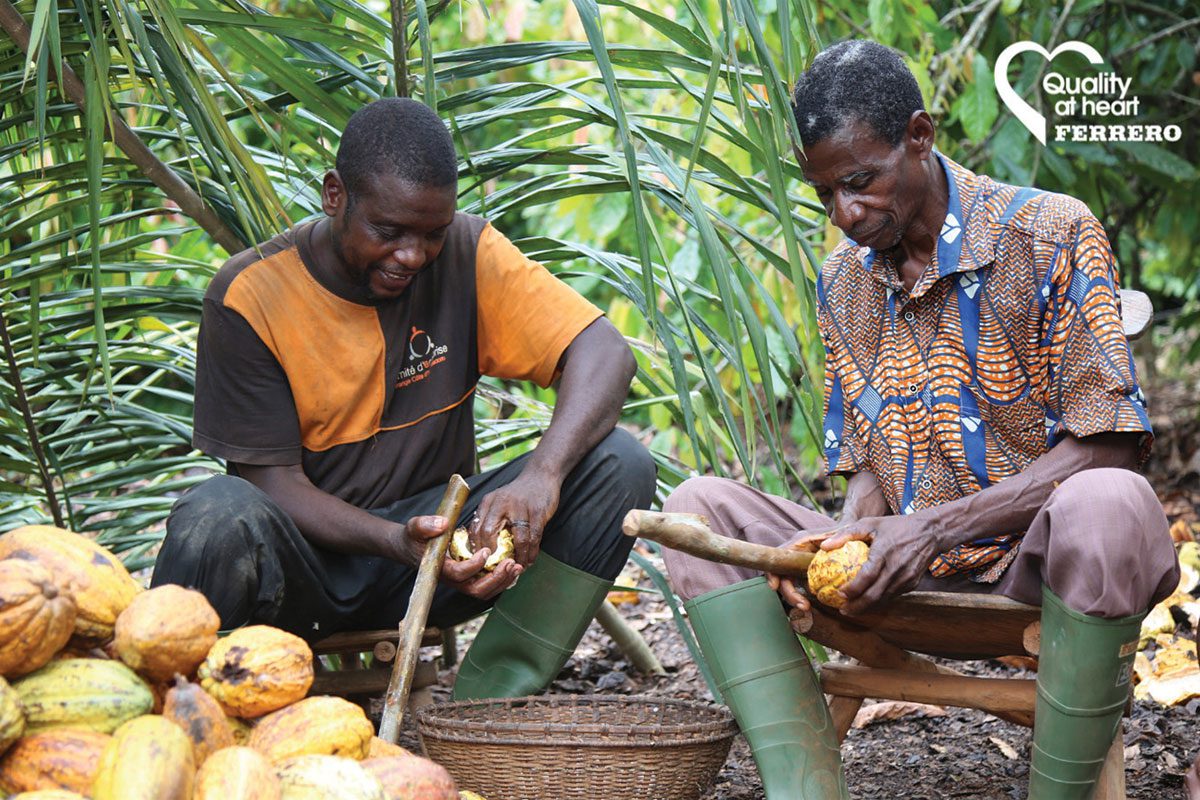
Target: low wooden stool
353,676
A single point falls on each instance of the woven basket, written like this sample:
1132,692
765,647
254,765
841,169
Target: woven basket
579,746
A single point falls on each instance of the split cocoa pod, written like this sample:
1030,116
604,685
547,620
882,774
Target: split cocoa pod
830,570
460,548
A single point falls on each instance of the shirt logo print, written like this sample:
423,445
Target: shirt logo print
424,354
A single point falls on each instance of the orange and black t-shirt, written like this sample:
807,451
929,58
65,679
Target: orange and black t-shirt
375,401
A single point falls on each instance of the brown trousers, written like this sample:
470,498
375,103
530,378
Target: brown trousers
1100,543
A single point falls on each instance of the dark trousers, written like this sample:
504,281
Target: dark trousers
229,540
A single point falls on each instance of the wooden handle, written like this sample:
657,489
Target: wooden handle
413,624
690,534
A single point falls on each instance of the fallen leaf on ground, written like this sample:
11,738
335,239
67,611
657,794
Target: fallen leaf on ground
889,710
1005,747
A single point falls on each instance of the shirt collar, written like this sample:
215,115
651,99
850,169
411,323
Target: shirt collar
967,241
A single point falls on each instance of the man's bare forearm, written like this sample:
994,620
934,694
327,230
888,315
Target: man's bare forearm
1011,505
327,521
864,498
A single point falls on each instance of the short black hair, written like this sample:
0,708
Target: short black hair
856,80
397,136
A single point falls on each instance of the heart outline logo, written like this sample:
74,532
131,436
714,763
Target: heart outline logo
1027,114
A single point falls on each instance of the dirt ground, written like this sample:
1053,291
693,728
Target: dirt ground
963,753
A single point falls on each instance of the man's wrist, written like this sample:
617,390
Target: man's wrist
399,547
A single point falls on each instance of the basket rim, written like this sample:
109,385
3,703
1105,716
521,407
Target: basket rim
434,722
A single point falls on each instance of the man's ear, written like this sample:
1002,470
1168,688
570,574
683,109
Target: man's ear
919,134
333,193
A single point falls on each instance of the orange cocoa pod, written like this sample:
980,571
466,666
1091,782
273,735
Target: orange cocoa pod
830,570
412,778
37,617
97,581
314,726
62,758
166,631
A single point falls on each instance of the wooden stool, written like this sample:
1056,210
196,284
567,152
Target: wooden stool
353,677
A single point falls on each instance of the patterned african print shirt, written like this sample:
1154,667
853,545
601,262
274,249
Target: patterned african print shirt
1010,340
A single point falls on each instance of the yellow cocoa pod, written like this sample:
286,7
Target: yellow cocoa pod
12,717
48,794
237,773
256,670
149,758
94,577
87,693
328,778
314,726
830,570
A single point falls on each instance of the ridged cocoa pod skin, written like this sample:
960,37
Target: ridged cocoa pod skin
12,717
237,773
830,570
63,758
327,778
256,670
149,758
412,778
94,577
200,717
87,693
165,631
314,726
36,617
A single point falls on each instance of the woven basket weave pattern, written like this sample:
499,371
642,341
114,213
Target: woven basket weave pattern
587,746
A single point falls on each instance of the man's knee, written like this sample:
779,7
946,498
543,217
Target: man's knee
1112,510
626,463
212,522
692,496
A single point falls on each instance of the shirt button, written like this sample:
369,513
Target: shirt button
910,316
925,484
912,388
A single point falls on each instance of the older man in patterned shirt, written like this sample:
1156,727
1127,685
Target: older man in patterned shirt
981,399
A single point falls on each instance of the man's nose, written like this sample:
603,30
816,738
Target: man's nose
409,256
847,212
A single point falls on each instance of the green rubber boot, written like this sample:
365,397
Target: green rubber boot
531,631
1082,687
769,685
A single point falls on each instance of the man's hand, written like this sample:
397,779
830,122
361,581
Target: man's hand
806,542
524,507
902,548
465,576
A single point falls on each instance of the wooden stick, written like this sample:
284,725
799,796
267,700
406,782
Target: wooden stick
631,643
690,534
993,695
413,624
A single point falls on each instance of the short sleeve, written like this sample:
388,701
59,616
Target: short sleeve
844,454
1093,383
526,316
244,410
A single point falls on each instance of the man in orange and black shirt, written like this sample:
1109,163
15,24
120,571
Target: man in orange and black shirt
336,373
982,400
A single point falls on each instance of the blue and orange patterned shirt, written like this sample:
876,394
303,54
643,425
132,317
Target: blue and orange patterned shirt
1010,340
